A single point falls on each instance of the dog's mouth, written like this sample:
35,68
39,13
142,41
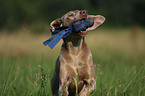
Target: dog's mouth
80,27
82,33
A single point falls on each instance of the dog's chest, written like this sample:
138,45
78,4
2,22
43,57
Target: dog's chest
78,61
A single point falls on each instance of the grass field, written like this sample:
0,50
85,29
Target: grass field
26,66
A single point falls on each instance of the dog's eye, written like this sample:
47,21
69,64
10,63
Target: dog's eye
70,15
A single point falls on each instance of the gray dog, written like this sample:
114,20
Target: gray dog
75,61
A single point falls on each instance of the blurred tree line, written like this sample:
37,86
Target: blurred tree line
14,13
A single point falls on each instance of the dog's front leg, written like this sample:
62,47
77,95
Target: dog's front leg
63,89
63,83
89,88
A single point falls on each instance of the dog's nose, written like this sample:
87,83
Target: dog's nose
84,12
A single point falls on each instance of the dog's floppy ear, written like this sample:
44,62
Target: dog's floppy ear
98,20
56,23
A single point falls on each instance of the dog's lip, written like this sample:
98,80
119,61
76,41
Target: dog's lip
83,33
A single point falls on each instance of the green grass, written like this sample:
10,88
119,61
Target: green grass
26,67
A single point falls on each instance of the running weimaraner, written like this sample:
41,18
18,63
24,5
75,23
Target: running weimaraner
75,61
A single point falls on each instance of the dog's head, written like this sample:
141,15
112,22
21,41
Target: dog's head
69,18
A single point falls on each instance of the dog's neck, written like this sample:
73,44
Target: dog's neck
74,45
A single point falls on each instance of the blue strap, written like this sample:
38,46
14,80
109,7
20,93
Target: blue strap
54,39
65,31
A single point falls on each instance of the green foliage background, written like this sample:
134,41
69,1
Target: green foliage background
14,13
